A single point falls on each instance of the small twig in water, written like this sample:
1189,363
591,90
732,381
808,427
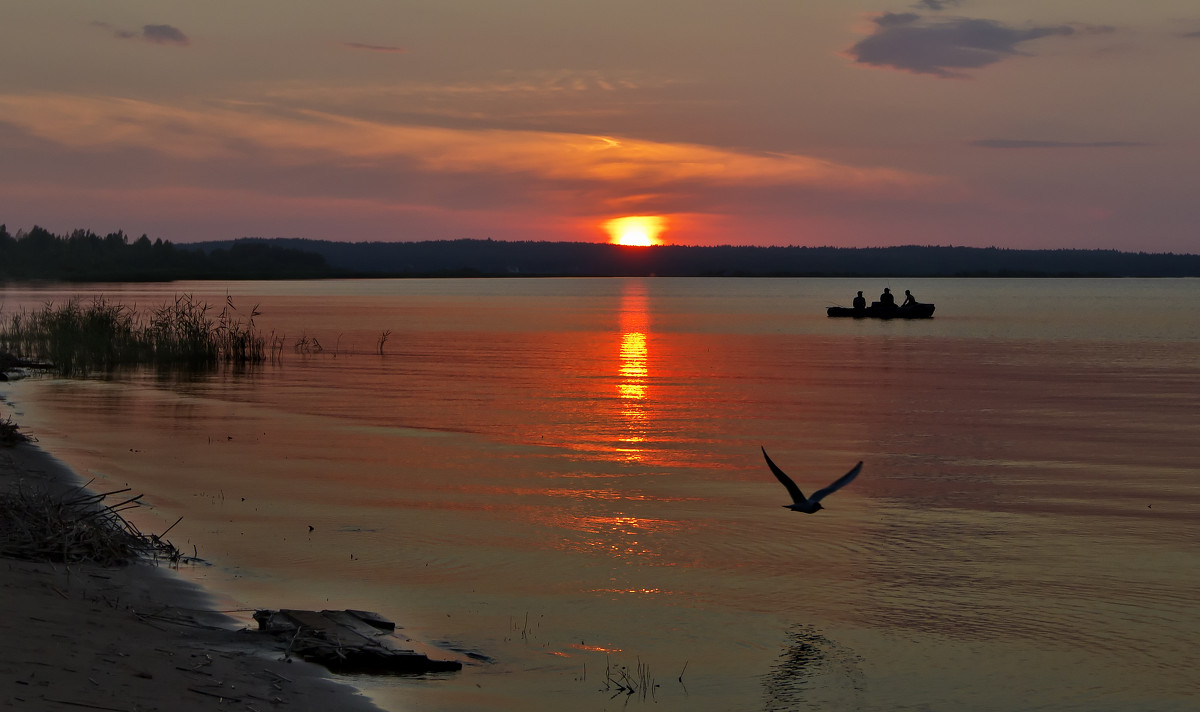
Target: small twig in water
171,527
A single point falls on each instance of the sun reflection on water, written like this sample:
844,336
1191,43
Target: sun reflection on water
633,365
633,369
594,648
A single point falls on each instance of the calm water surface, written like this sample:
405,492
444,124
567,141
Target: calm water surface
563,476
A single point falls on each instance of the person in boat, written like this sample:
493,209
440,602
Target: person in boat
909,299
860,302
886,300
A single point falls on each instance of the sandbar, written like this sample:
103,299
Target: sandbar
134,638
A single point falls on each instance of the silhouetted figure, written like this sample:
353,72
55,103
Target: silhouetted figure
886,300
860,302
909,299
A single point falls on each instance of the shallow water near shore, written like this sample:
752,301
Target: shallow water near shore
561,478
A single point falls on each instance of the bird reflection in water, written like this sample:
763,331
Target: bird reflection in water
813,673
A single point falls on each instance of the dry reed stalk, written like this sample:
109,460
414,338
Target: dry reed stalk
76,527
639,683
81,338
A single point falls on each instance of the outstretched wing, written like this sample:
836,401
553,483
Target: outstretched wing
797,496
837,485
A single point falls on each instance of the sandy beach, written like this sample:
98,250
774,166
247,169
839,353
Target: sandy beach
134,638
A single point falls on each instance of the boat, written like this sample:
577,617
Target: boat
919,310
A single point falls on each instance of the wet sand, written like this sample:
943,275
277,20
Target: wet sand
135,638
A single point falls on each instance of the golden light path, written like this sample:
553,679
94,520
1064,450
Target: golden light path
633,365
633,368
636,230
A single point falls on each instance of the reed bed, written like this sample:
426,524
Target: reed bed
76,527
81,337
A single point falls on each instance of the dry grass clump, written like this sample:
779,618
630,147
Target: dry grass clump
75,527
10,433
81,337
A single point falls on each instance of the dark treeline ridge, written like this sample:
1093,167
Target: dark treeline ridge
84,256
491,258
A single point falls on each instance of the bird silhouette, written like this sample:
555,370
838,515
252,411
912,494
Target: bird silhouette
809,505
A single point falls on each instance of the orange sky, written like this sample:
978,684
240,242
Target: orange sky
1022,124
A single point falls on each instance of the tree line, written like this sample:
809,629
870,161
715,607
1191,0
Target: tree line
84,256
493,258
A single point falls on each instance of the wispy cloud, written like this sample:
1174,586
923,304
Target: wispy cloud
937,5
588,99
387,49
547,82
943,47
1028,143
155,34
508,84
316,143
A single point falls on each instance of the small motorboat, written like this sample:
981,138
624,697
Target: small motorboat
879,311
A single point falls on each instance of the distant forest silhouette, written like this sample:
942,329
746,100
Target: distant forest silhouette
493,258
85,256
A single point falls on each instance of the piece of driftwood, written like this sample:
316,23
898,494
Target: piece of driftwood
349,641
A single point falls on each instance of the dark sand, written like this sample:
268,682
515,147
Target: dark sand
136,638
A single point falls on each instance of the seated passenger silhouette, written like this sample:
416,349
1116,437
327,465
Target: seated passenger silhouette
886,300
860,302
909,299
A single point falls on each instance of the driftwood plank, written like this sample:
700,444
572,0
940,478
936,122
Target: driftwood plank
351,621
373,619
316,623
344,641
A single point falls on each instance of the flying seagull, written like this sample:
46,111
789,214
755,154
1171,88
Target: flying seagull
809,505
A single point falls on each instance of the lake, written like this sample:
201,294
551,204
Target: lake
563,478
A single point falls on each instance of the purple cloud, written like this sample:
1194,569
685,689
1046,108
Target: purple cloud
156,34
164,34
943,48
937,5
1026,143
374,48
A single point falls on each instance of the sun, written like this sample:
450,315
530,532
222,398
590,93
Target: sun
636,230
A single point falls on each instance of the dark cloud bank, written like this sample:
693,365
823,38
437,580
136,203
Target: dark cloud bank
156,34
943,47
164,34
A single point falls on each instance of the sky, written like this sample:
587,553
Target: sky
855,123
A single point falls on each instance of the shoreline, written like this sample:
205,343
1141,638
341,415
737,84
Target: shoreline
137,637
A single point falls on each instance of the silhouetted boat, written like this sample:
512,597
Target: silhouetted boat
878,311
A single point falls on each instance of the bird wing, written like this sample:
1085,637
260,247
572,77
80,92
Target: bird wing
837,484
797,496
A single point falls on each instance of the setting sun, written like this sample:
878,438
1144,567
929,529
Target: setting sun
638,230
